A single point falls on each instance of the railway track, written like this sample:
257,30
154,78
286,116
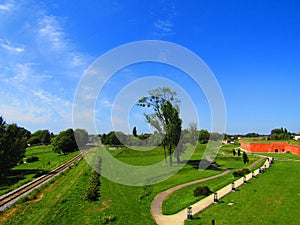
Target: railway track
12,196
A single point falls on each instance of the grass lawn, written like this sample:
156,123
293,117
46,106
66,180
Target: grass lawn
62,202
281,155
271,198
23,173
184,197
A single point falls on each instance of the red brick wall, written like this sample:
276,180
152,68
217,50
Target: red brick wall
280,147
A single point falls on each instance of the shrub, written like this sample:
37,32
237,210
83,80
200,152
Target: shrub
108,219
32,159
202,190
241,173
92,193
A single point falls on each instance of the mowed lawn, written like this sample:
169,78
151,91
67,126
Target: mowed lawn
62,202
23,173
271,198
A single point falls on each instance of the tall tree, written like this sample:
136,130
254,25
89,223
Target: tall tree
165,118
12,146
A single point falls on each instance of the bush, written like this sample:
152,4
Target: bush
92,193
32,159
241,173
108,219
202,190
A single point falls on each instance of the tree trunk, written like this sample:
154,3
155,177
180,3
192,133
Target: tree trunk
170,153
177,156
165,152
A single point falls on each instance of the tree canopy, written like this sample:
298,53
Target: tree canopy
280,134
165,117
12,145
64,142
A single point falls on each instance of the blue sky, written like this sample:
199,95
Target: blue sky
252,47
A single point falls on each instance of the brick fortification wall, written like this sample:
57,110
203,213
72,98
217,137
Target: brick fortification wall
280,147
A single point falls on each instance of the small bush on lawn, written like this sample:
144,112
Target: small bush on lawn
241,173
32,159
202,190
108,219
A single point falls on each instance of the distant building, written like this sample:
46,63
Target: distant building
297,137
275,147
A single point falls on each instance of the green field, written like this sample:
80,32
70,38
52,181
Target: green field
23,173
62,201
271,198
282,156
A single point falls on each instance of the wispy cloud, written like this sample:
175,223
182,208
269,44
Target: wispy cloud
164,27
10,47
7,6
51,31
39,70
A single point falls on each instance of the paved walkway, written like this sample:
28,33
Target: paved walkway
180,217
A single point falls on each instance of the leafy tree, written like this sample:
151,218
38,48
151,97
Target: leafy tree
112,138
173,133
64,142
82,137
34,140
43,135
245,158
203,136
233,152
280,134
12,146
165,118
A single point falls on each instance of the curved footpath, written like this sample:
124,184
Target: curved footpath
180,217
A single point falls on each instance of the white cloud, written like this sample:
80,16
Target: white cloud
51,31
10,47
7,6
105,103
164,26
37,77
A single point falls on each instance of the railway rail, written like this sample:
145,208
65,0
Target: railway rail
12,196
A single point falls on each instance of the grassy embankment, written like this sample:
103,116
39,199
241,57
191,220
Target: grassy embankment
62,201
23,173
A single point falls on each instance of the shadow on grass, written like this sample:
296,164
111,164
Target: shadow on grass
15,176
195,164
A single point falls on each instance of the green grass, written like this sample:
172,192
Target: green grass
271,198
62,201
281,155
184,197
23,173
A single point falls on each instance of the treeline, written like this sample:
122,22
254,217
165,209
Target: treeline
119,138
14,140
